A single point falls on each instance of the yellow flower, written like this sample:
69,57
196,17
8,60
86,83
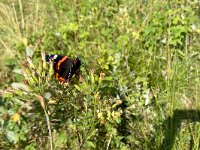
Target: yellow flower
116,115
100,115
16,118
108,114
118,102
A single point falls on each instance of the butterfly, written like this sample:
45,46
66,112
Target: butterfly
64,66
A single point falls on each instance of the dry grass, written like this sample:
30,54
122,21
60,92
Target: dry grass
18,20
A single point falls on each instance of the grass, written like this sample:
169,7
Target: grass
139,83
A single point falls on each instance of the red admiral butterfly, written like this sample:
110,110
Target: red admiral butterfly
64,66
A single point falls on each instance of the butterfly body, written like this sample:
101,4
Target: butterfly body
64,66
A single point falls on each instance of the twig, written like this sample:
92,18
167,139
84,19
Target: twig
42,102
49,128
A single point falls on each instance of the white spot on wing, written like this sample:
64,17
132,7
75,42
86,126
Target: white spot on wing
55,56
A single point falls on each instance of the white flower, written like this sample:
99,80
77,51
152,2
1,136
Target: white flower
193,27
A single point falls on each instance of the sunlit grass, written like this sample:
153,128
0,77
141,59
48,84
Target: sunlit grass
18,20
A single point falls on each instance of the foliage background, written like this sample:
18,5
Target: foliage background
140,68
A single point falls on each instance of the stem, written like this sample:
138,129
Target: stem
22,16
49,128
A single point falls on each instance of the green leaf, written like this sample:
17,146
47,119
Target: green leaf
140,79
84,34
30,147
73,27
61,139
29,51
78,88
90,144
21,86
12,136
18,71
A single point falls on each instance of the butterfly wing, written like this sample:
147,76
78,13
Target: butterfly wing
64,67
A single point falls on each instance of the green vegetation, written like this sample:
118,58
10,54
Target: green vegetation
139,83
